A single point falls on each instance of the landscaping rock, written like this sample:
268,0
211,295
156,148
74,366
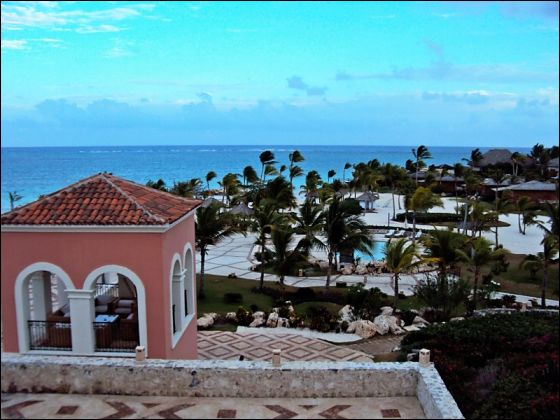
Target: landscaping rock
361,270
346,271
205,322
386,310
212,315
258,319
419,320
283,322
272,320
346,313
364,329
351,327
384,324
410,328
458,318
231,316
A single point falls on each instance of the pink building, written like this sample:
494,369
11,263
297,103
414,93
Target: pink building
98,268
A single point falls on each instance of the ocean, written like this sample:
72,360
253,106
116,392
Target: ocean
41,170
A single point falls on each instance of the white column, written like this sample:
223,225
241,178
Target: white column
61,292
82,313
42,304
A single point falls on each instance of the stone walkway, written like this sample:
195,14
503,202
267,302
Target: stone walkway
62,406
225,345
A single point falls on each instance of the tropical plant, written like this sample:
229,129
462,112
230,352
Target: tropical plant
283,259
478,254
422,200
295,171
230,186
516,160
14,197
343,228
209,177
347,165
525,212
420,154
443,295
211,227
330,174
476,157
400,256
551,227
249,175
188,189
267,159
441,246
309,223
542,261
158,185
458,172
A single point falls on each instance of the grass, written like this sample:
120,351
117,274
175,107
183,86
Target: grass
216,286
518,281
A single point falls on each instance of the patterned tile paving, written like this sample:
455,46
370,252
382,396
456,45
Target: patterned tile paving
225,345
58,406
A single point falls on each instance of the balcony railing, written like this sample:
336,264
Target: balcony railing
50,335
107,289
119,336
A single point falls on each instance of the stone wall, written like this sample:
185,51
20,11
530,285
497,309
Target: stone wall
220,378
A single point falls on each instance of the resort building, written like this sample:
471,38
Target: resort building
99,268
536,190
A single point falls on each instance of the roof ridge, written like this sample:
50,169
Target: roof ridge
53,194
132,200
150,189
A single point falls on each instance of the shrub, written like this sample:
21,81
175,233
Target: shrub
233,298
408,317
304,294
244,317
320,318
254,307
341,284
367,303
427,218
344,326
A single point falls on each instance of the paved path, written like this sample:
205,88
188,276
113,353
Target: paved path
225,345
63,406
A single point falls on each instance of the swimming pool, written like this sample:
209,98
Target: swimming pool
377,251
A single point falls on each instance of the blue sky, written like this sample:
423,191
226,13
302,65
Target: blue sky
123,73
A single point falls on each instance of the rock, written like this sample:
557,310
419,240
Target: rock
258,319
276,310
361,270
323,264
346,271
231,316
397,348
419,320
386,310
364,329
458,318
204,322
212,315
272,320
283,322
346,313
384,324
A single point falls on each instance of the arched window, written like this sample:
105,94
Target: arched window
188,288
176,298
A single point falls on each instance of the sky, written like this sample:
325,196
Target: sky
356,73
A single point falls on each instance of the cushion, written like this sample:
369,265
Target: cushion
102,308
104,299
123,311
125,303
130,317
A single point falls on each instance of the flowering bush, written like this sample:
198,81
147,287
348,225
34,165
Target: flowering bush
499,366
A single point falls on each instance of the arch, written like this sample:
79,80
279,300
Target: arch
175,286
89,284
22,305
190,279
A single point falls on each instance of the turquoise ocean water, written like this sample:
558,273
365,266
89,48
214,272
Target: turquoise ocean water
35,171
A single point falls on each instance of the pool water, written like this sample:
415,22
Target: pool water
377,251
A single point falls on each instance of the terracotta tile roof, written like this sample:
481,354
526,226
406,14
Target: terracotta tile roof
102,199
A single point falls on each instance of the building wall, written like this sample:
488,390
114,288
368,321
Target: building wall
174,242
536,195
78,254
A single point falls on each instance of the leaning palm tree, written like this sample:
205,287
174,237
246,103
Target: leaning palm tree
209,177
264,219
458,171
552,226
249,175
422,200
14,196
211,227
476,157
330,174
266,158
401,256
478,254
523,206
442,246
347,165
309,223
343,228
420,154
542,261
294,170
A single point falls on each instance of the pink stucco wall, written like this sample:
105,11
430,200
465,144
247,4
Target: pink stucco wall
148,255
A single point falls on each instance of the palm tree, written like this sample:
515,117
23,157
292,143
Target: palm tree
541,155
347,165
284,260
441,247
330,174
188,189
400,257
14,197
458,171
476,157
249,175
516,159
503,206
211,227
266,158
312,181
420,154
209,177
230,185
477,255
344,229
543,260
523,206
551,211
158,185
294,172
264,219
309,223
390,174
422,200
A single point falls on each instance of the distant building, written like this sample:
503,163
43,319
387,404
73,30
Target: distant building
553,168
495,157
98,268
536,190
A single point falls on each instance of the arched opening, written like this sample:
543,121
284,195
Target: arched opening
43,310
176,304
188,289
119,304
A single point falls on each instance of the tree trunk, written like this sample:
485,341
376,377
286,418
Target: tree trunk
544,283
456,198
329,271
262,262
476,274
414,227
202,258
396,300
519,222
393,197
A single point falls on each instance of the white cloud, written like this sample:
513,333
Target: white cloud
14,44
96,29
